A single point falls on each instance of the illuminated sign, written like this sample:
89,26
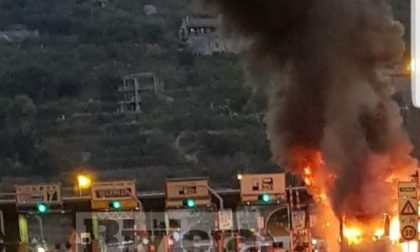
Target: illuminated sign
113,190
122,191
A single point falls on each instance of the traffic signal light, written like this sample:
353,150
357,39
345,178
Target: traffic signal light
264,198
189,203
41,207
115,204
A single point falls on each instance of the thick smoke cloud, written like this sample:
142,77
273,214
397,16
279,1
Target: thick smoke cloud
327,94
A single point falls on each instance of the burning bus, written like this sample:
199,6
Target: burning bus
353,233
369,234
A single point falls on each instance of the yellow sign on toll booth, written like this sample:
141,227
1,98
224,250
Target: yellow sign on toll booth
104,194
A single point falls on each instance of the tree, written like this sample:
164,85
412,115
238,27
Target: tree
152,33
34,81
17,135
17,120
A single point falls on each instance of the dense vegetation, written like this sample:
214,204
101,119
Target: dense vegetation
59,96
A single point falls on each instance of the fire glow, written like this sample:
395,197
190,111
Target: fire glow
378,234
360,234
394,230
332,120
353,235
355,230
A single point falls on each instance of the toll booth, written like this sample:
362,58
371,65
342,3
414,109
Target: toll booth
116,219
42,220
263,210
178,191
190,215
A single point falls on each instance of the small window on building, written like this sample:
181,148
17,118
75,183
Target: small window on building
188,190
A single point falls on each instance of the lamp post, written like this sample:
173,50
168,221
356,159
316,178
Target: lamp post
83,182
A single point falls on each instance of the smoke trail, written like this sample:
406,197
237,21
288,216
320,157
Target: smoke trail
327,94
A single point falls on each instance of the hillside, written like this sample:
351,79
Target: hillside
59,96
205,123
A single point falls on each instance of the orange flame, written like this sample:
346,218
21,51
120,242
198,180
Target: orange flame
394,230
310,166
307,171
353,235
323,196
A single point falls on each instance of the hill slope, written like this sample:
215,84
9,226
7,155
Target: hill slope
59,96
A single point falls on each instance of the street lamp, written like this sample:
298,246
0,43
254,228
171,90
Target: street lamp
84,182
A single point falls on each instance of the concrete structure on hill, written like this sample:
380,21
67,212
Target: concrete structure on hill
132,89
202,35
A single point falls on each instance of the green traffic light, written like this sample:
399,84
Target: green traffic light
42,207
190,203
265,197
115,204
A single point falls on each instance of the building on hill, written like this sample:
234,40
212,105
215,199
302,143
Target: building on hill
202,35
134,87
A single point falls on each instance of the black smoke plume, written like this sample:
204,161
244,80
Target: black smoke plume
327,93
